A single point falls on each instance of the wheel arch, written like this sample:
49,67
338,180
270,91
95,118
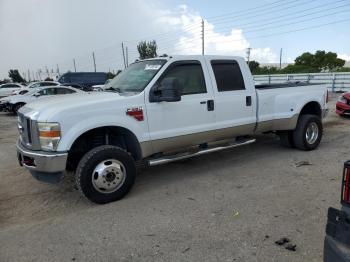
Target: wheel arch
103,135
311,108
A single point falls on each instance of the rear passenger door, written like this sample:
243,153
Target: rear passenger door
234,105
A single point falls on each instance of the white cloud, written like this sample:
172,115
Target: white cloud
50,42
233,43
344,56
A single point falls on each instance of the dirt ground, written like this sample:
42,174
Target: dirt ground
227,206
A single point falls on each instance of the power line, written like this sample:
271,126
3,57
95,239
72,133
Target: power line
268,12
276,19
248,9
296,22
291,31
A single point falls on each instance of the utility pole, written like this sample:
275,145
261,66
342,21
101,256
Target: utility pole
93,57
248,54
47,71
126,56
58,70
123,55
28,76
202,36
75,68
281,59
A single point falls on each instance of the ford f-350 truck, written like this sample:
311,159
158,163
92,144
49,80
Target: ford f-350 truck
161,110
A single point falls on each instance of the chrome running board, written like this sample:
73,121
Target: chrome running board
172,158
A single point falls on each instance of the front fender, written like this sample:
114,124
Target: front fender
69,135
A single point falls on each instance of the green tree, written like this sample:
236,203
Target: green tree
320,61
147,49
292,69
16,76
253,66
110,75
342,69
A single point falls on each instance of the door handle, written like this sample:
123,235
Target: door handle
203,102
248,100
210,105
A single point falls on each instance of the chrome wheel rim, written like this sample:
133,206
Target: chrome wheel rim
311,133
108,176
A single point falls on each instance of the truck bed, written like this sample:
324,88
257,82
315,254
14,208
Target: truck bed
282,85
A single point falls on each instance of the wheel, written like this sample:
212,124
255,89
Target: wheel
16,107
308,133
286,139
105,174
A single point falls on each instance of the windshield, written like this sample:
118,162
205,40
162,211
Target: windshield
136,77
33,85
32,91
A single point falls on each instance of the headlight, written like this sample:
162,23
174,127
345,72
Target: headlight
49,135
342,99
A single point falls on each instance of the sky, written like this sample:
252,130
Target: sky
41,35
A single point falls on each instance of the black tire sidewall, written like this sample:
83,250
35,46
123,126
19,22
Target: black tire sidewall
87,165
300,133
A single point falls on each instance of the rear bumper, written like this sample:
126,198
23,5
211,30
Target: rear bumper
342,109
44,166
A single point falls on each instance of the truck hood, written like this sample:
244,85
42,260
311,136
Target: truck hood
49,106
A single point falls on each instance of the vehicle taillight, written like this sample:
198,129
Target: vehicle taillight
345,194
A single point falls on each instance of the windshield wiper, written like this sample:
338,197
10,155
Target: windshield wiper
116,89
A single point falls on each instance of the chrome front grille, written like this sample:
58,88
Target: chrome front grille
24,129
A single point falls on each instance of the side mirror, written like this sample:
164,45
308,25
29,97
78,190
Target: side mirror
169,90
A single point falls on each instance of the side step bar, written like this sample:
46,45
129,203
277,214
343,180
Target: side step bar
168,159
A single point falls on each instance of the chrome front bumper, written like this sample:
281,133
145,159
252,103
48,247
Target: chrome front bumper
44,166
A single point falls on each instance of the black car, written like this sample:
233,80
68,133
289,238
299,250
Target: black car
337,241
86,79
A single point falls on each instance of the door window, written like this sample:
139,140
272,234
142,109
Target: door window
228,75
190,77
48,92
64,91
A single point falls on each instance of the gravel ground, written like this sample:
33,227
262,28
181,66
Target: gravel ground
227,206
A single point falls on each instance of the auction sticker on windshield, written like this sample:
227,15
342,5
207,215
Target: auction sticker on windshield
152,67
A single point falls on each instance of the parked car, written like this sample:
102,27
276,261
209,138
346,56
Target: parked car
80,87
103,87
15,102
337,240
162,110
8,88
25,89
87,79
343,105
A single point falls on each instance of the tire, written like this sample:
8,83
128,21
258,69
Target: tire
300,133
105,174
286,139
16,107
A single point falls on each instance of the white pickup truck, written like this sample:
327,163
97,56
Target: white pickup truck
162,110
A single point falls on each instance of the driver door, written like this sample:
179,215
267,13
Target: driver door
183,123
